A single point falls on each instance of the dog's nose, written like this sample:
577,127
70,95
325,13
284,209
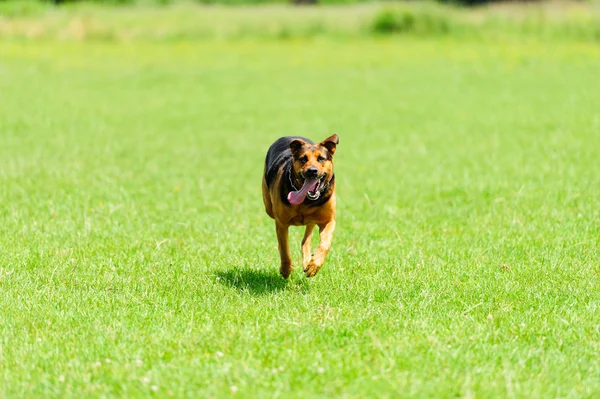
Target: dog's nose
311,172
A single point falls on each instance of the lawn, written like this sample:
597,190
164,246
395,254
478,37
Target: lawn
136,258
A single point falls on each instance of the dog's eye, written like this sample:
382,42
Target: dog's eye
321,159
304,159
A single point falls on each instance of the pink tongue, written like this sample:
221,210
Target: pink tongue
296,197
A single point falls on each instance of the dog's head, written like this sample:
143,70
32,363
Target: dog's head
313,164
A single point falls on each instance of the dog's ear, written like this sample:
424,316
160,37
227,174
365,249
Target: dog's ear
295,145
331,143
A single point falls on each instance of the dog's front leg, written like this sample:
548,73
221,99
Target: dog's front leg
306,245
284,250
326,235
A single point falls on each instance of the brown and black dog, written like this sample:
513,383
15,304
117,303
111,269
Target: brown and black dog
299,190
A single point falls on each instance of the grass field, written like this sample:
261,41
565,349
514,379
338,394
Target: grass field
136,258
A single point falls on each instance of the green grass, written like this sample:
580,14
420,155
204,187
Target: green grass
136,257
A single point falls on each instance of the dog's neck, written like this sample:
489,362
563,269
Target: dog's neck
294,177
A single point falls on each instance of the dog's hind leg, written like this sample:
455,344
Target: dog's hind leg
326,234
306,246
284,250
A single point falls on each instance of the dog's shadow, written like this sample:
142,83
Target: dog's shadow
258,282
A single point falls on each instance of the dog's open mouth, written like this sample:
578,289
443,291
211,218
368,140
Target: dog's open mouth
311,189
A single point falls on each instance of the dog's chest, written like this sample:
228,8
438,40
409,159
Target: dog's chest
304,216
297,220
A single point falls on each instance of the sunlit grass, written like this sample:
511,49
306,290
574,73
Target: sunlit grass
136,256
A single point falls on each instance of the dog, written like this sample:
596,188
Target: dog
298,188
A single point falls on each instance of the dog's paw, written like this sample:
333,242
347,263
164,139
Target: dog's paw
312,268
305,264
285,270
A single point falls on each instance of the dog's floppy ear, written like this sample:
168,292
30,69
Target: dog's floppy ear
295,145
331,143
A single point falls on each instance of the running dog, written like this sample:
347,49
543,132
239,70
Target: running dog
298,189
